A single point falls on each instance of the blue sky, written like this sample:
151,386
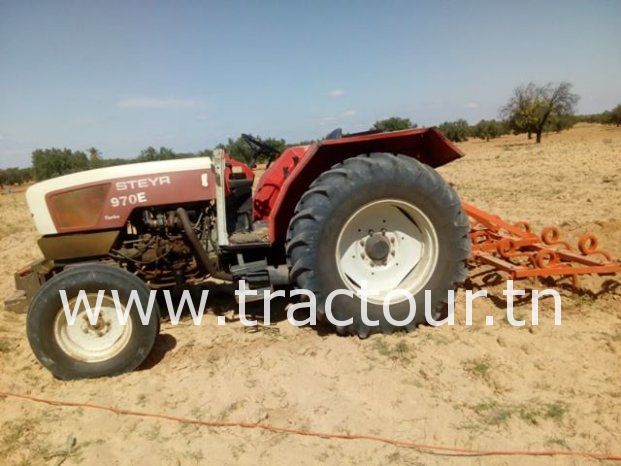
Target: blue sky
125,75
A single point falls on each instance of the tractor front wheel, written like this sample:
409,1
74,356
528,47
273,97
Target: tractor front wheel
372,225
73,344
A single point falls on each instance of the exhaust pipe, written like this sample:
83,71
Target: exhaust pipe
200,253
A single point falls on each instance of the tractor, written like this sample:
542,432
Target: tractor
350,209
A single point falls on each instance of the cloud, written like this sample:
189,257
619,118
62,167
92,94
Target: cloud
329,119
150,102
202,117
333,120
337,93
472,105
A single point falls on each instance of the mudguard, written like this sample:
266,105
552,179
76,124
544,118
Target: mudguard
286,179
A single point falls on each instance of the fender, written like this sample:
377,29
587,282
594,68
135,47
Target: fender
284,182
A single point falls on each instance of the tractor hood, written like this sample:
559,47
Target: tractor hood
104,198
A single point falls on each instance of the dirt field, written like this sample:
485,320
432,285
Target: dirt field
496,387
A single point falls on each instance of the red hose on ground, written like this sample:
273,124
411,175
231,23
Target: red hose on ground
421,447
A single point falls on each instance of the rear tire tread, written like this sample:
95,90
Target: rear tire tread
316,203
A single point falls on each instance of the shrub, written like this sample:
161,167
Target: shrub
456,131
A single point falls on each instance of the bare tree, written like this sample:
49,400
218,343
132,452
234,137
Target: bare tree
530,106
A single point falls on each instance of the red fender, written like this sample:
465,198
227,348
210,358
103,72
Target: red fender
287,178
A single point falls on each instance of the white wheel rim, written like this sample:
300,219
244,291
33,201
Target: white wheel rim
88,343
392,225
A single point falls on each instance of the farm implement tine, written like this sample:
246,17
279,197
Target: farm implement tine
516,250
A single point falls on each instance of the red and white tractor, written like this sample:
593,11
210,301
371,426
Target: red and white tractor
351,209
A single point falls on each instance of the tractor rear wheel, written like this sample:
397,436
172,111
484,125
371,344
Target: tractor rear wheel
102,345
374,224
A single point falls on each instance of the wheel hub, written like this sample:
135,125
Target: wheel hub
386,245
101,327
89,342
377,247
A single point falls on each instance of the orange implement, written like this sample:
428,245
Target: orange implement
517,251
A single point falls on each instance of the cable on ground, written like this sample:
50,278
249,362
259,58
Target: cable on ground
421,447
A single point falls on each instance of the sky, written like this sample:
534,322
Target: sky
124,75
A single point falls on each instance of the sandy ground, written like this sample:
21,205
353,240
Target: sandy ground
496,387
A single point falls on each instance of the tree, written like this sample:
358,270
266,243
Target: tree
49,163
94,158
14,175
603,118
24,175
147,155
279,144
520,112
112,162
240,150
530,107
151,154
205,153
456,131
488,129
393,124
166,153
93,155
614,116
558,123
237,149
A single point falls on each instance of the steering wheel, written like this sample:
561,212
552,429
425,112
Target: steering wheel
259,147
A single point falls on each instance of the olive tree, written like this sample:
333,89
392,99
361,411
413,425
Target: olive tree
393,124
530,107
151,153
49,163
488,129
614,116
240,150
456,131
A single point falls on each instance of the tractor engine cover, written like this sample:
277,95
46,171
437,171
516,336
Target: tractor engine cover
104,198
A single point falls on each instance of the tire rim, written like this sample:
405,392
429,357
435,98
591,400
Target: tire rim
92,343
389,244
